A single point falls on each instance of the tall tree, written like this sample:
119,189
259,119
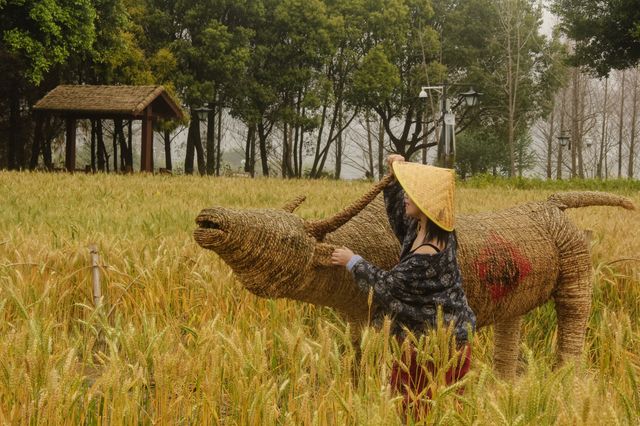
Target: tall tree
603,134
621,125
212,48
634,117
497,46
519,40
607,33
35,38
403,56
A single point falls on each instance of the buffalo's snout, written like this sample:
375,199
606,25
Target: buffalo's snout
212,228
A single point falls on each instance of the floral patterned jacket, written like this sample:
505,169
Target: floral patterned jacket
419,284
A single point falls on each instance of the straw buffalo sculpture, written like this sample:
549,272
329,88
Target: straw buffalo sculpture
511,260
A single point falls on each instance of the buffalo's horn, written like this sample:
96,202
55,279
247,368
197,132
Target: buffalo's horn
292,205
319,228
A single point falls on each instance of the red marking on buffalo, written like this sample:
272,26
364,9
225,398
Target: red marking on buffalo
502,266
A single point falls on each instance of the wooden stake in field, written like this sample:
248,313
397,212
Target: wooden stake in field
95,276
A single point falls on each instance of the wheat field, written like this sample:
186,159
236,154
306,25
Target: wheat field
179,341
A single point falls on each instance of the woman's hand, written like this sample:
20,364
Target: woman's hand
390,159
341,256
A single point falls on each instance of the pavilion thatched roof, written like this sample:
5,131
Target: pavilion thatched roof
109,101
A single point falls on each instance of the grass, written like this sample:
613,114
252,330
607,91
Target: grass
180,341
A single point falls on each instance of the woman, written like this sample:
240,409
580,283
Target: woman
419,204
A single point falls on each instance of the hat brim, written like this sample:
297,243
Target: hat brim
402,172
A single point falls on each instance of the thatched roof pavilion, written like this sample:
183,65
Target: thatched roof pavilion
144,103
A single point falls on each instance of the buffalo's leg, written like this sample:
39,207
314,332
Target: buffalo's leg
573,303
507,343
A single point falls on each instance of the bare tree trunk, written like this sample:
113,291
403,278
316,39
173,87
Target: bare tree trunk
130,146
193,129
603,130
620,124
575,137
425,149
46,149
197,143
334,132
520,161
210,139
250,150
581,125
294,149
285,150
318,152
297,163
511,93
115,148
339,146
219,142
118,129
381,150
300,153
367,118
102,151
49,133
634,115
550,141
93,146
38,140
168,164
560,147
262,135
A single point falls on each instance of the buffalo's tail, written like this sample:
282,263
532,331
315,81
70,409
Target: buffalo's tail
571,200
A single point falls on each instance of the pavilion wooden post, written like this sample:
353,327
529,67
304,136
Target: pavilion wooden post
70,145
38,140
146,160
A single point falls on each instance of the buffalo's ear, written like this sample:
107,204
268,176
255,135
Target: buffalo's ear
291,205
322,254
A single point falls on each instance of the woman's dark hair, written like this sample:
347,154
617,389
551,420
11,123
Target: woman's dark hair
434,232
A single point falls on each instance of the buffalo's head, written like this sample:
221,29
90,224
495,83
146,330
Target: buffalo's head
272,251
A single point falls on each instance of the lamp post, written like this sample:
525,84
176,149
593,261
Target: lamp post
446,142
565,141
203,115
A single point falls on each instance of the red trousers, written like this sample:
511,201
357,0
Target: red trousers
415,386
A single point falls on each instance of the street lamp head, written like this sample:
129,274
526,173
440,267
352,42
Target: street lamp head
423,94
563,139
471,97
202,112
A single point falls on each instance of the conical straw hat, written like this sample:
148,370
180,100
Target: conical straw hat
431,189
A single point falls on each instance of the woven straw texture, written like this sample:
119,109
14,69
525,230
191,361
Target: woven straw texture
431,189
116,100
511,261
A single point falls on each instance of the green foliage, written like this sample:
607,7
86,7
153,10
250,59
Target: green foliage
606,34
624,186
479,151
42,33
497,47
375,80
296,63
